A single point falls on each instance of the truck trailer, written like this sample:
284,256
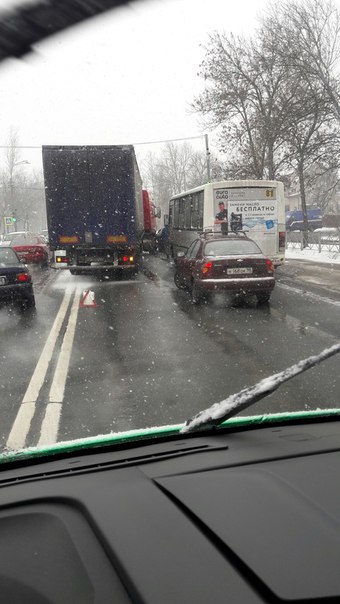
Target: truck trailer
94,205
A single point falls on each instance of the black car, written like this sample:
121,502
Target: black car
225,263
15,279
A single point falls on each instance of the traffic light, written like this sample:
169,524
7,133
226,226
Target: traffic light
14,216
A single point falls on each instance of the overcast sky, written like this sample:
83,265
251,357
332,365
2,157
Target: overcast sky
126,77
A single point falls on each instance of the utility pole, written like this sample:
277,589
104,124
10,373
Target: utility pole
207,156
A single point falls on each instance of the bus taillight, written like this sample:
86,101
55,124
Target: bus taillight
282,241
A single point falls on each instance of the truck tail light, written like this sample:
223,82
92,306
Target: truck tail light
128,259
60,259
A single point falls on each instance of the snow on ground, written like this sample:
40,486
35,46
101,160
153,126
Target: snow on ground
325,256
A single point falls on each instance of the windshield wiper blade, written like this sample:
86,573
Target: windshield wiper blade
235,403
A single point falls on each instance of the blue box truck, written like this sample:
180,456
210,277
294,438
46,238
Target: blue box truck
294,219
94,207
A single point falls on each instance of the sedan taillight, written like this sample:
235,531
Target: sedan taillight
270,266
23,277
206,268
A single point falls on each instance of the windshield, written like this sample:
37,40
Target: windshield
186,116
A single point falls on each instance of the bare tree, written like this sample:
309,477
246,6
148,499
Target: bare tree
11,160
245,94
275,96
178,168
22,194
322,185
308,46
309,42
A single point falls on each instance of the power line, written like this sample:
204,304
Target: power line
172,140
18,147
169,140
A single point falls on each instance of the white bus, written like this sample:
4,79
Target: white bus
255,206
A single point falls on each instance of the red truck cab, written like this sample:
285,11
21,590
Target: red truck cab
151,213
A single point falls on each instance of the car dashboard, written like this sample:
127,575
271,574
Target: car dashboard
243,516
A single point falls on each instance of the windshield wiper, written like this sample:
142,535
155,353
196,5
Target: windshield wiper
235,403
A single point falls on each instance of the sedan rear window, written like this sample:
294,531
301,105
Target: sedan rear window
8,257
230,247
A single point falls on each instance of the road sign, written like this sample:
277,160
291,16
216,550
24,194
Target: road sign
8,220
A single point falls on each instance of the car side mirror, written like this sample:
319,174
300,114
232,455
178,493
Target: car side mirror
180,254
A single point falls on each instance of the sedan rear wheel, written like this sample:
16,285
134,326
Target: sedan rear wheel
197,296
263,298
178,280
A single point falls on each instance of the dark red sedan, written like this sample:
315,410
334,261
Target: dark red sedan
29,247
225,263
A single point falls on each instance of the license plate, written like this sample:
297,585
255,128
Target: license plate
3,280
239,271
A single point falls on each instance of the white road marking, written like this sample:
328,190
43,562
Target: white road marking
306,294
304,328
50,425
22,422
60,374
40,371
20,428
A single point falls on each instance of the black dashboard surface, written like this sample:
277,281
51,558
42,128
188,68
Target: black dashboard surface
244,516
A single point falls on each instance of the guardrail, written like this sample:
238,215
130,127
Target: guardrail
325,239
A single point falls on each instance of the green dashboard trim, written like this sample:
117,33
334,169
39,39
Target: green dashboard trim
156,432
